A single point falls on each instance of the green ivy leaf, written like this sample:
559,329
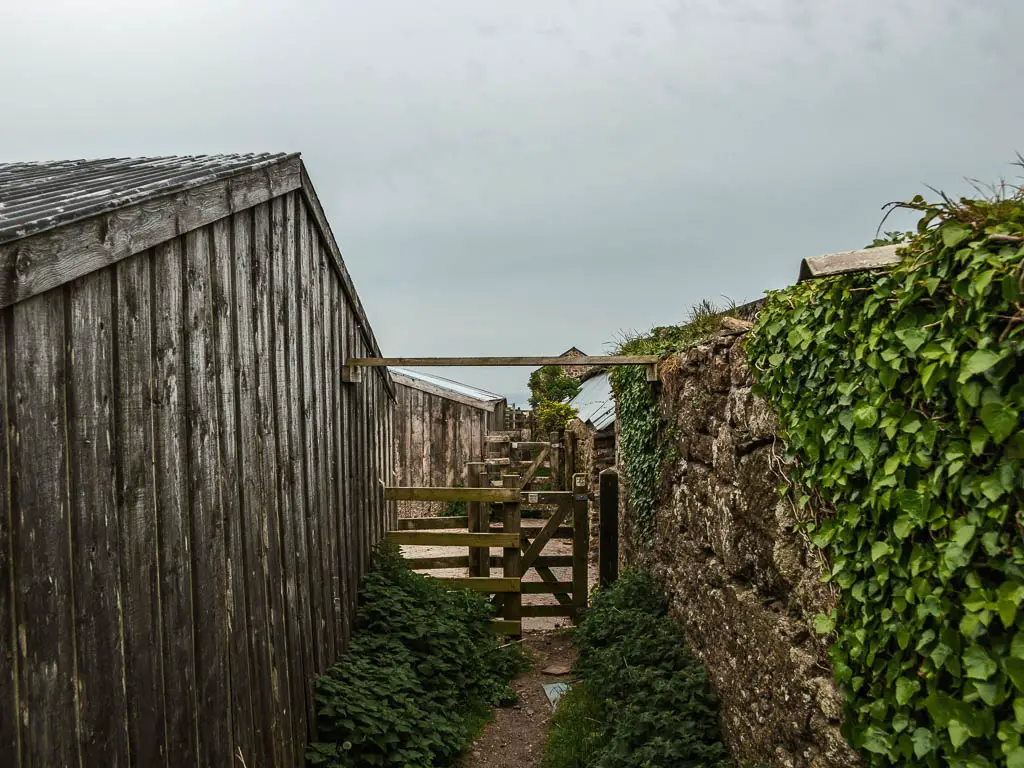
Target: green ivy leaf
866,442
905,690
958,733
999,419
924,742
954,233
978,665
977,362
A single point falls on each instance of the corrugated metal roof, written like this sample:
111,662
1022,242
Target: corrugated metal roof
595,403
452,386
38,196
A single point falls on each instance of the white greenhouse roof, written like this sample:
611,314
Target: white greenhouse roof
595,403
439,382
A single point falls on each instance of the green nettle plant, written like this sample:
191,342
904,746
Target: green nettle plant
419,677
644,699
899,395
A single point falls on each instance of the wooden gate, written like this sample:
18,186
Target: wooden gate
495,519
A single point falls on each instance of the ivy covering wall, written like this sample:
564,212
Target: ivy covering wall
899,395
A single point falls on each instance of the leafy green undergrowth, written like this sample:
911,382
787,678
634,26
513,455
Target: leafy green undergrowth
644,699
900,396
419,677
641,443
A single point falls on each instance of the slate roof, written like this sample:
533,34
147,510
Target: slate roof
38,196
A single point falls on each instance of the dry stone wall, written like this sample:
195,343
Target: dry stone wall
743,583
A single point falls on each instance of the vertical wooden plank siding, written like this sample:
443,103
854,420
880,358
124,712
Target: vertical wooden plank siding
282,252
94,522
9,679
333,367
140,556
253,506
42,578
171,480
188,497
208,535
322,531
297,450
310,461
264,465
231,502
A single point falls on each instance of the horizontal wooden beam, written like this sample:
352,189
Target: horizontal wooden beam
562,532
505,627
553,561
546,588
436,563
431,523
460,539
497,495
429,362
481,584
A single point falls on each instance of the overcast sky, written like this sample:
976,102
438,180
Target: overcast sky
521,177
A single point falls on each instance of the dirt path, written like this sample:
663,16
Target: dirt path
517,736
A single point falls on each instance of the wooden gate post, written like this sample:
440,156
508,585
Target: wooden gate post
608,540
580,544
474,516
512,556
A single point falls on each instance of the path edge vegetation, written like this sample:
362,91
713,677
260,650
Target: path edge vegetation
419,677
642,698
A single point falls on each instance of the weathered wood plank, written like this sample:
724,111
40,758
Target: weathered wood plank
294,423
9,694
95,531
225,367
39,504
252,523
535,465
171,488
580,543
431,523
433,563
349,546
393,493
512,565
318,422
140,557
39,263
529,531
310,454
460,539
545,534
426,362
282,242
208,534
332,370
481,584
264,466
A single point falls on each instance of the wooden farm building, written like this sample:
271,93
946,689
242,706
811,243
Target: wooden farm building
440,425
188,489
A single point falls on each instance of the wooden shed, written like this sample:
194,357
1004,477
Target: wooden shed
440,425
188,490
